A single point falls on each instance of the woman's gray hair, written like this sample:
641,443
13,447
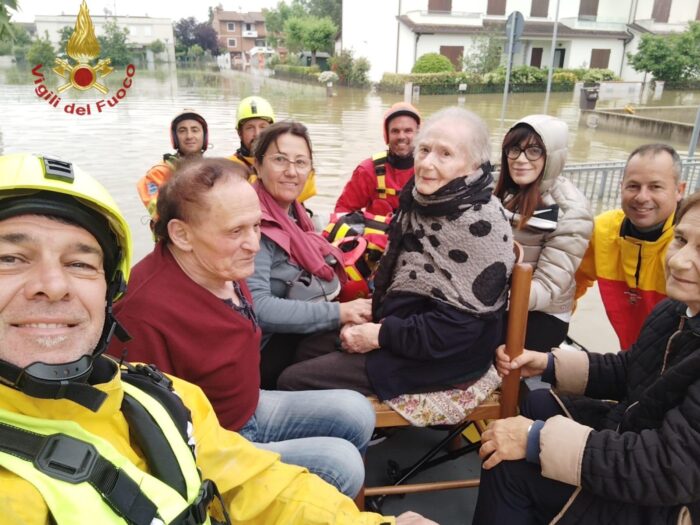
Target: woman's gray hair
479,144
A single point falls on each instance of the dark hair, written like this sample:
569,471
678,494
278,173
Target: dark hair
180,197
525,200
686,205
654,149
271,133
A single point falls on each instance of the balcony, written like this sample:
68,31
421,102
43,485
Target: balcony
250,34
453,18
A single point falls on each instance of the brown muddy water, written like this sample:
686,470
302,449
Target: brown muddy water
118,144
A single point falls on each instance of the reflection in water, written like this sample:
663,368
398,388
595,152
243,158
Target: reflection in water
119,145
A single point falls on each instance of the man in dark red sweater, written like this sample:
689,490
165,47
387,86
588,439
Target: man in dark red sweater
190,313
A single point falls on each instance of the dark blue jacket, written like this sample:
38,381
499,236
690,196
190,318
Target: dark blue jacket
427,345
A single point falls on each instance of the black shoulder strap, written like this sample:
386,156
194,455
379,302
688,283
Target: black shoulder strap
152,381
150,439
68,459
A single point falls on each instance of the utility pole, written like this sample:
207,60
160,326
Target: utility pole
551,59
514,28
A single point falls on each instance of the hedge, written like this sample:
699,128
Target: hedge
524,79
306,73
432,63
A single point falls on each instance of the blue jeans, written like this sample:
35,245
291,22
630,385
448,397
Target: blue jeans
326,431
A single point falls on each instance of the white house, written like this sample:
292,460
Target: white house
392,34
143,30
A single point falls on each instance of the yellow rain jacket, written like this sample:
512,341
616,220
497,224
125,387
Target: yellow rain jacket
630,273
256,487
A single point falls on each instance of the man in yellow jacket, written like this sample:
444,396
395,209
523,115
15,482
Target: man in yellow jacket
84,439
627,250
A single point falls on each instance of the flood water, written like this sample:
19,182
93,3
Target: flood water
119,144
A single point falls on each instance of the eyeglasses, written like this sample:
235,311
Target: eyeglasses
531,152
281,162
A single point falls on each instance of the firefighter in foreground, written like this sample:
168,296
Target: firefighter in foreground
86,440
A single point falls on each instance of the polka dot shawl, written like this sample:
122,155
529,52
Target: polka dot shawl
455,246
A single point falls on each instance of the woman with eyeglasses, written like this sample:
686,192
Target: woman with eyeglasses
551,220
298,273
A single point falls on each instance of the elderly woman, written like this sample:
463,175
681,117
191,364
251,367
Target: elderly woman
189,312
551,220
583,458
442,284
297,272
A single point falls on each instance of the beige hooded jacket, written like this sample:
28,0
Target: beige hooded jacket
555,248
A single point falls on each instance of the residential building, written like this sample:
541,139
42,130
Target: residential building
590,33
242,35
143,30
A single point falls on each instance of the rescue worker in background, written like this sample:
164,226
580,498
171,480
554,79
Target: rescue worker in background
189,136
254,114
86,440
376,182
628,246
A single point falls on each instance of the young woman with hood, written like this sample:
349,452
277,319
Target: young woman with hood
551,220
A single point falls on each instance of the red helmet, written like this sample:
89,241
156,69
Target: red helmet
397,110
189,114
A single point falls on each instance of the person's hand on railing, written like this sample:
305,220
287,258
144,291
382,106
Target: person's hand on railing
356,312
529,362
411,518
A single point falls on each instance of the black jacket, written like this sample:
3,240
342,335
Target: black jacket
642,464
427,345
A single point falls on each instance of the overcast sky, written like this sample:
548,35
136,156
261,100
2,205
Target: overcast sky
154,8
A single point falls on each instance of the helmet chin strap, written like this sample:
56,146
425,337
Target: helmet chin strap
67,380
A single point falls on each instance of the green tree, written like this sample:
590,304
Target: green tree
6,27
294,34
113,44
41,52
20,44
314,34
671,57
156,47
64,36
486,54
195,52
184,33
189,32
276,19
360,71
205,36
432,63
319,34
332,9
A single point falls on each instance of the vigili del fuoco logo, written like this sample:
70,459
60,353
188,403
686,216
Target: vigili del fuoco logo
83,47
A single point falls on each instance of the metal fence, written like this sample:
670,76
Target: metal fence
600,181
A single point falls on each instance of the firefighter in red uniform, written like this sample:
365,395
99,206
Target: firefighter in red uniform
376,182
364,209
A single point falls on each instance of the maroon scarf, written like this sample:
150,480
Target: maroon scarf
303,245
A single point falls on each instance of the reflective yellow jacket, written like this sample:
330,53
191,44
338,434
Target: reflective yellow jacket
256,487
